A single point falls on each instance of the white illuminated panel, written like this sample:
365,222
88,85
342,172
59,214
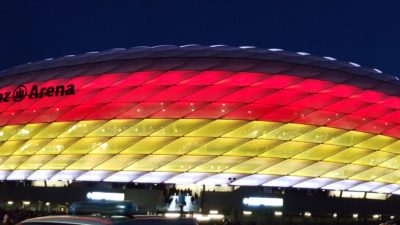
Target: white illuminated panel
19,174
187,178
123,176
367,186
67,175
387,188
396,192
262,201
154,177
341,185
353,194
42,174
112,196
376,196
93,175
253,180
285,181
315,183
4,174
222,178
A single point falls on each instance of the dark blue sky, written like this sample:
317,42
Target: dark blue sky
362,31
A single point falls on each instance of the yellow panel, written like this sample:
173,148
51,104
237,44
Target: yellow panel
8,131
146,127
392,177
371,174
345,171
9,147
28,131
393,163
317,169
115,145
113,127
350,138
288,131
320,135
60,162
30,147
375,158
349,155
2,159
286,167
254,147
217,128
181,127
218,146
52,130
185,163
148,145
376,142
82,128
88,162
288,149
84,145
35,162
151,162
253,165
395,147
13,162
253,129
182,145
319,152
56,146
219,164
118,162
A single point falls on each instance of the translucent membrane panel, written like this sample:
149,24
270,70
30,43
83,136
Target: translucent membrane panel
88,162
286,167
319,152
54,129
394,147
113,128
4,174
60,162
219,164
42,175
9,147
288,131
217,128
346,171
151,162
82,128
67,175
320,135
220,179
387,188
317,169
253,180
30,147
349,155
376,142
35,162
315,183
288,149
185,163
253,129
56,146
115,145
342,185
148,145
84,145
94,176
9,131
123,176
118,162
367,186
285,181
371,174
19,174
350,138
393,163
154,177
146,127
13,162
253,165
187,178
218,146
28,131
181,127
375,158
392,177
253,147
182,145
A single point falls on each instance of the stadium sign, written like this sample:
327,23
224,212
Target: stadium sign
21,92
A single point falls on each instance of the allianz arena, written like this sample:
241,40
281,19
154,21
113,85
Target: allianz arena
206,115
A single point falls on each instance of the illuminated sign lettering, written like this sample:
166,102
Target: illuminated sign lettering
21,92
261,201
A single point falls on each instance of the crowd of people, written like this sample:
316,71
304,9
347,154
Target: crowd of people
10,217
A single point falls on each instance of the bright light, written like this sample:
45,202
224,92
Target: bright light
334,215
278,213
47,203
26,203
201,217
10,202
106,196
392,217
260,201
307,214
247,213
376,216
213,211
355,215
216,216
172,215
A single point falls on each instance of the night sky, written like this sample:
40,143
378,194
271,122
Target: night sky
362,31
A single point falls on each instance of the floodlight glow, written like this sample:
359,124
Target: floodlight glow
26,203
334,215
172,215
278,213
213,211
105,196
10,202
247,213
261,201
355,215
307,214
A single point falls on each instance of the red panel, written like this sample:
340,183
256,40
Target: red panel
319,118
286,114
105,80
316,101
341,90
369,96
109,111
5,117
51,115
136,79
349,122
143,110
141,93
247,95
171,77
26,103
376,127
47,102
346,106
80,81
79,112
392,101
282,97
394,132
278,82
392,117
242,79
206,78
78,98
26,116
311,85
54,82
214,110
106,95
373,111
251,111
175,93
179,109
211,93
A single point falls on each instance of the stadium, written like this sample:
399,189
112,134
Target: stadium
203,115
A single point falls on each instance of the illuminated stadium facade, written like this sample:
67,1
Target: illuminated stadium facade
208,115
